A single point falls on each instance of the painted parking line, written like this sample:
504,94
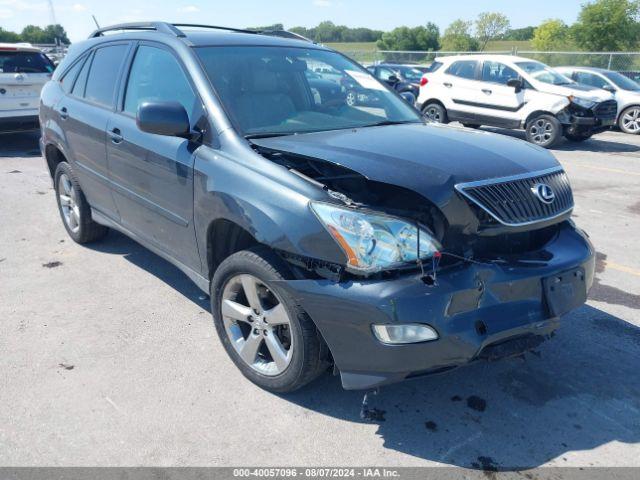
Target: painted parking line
622,268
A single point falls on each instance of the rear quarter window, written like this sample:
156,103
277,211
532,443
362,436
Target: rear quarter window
435,66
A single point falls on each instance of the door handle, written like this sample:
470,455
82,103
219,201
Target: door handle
448,85
64,113
487,91
115,135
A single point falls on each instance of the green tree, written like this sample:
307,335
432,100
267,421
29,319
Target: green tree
9,37
490,25
525,33
457,37
417,38
608,25
53,32
552,34
275,26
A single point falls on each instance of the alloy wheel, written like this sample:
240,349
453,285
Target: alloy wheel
541,131
257,325
433,113
631,120
68,197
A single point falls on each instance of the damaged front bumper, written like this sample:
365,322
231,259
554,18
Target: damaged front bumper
488,310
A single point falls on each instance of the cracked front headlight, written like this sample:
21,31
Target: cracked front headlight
372,241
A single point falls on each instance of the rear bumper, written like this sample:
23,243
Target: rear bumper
479,311
19,123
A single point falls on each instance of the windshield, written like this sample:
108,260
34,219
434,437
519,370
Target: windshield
542,73
621,81
25,62
283,90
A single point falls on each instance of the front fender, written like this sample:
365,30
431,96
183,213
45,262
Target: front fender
265,199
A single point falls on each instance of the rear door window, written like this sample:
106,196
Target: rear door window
103,76
464,69
25,62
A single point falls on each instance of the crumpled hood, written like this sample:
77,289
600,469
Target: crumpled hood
577,90
426,158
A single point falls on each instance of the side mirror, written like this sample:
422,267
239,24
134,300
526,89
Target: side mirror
609,88
408,97
516,83
393,80
163,118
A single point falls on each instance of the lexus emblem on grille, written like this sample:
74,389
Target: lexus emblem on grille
543,192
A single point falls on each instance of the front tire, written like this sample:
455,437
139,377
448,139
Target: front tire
74,208
268,336
629,121
435,112
544,130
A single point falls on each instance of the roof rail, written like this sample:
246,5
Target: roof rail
284,34
172,29
158,26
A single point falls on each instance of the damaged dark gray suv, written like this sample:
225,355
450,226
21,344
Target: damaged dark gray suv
328,234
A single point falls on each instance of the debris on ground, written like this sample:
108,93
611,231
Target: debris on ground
53,264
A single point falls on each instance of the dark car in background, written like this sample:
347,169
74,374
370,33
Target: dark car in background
326,234
402,78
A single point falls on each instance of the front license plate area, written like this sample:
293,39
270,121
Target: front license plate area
565,291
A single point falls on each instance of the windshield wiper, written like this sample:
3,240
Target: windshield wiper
267,135
389,122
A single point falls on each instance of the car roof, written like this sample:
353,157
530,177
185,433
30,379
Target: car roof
19,47
485,56
201,35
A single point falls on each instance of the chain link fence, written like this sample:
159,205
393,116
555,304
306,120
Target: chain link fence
618,61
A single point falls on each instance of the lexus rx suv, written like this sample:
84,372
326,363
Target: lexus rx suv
23,71
625,91
357,239
514,92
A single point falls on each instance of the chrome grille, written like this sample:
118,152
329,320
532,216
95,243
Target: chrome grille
512,201
606,110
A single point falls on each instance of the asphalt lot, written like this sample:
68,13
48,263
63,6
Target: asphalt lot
109,357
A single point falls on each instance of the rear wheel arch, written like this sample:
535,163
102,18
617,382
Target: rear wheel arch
54,156
432,100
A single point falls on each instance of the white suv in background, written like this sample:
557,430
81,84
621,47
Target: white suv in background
514,92
23,72
625,91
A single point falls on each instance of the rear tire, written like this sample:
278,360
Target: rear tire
435,112
544,130
74,208
279,357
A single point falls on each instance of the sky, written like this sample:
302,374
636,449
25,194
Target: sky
75,15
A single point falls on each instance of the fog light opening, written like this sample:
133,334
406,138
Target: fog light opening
404,333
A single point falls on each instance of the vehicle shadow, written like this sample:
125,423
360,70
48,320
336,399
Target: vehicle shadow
579,391
594,144
21,144
118,244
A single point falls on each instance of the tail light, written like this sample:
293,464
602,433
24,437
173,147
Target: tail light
424,81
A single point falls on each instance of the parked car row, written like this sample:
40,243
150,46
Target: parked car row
23,71
520,93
